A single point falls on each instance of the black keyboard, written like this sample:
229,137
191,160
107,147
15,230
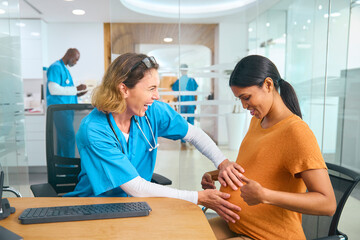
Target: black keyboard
84,212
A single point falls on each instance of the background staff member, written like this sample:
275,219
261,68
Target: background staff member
118,142
60,86
61,90
281,156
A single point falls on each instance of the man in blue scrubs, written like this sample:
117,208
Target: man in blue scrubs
61,90
186,83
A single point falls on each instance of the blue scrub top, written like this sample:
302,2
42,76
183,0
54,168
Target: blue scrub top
103,165
185,84
59,74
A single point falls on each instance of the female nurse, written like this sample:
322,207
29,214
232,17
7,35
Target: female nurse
282,160
118,142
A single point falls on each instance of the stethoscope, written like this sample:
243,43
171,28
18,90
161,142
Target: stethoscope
156,145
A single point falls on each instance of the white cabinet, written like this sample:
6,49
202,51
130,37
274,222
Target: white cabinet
31,49
35,139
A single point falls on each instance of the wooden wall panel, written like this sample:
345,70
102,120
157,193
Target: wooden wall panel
124,36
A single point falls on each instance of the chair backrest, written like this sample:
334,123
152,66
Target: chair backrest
62,157
343,181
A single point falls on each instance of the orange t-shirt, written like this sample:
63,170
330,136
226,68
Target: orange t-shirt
272,157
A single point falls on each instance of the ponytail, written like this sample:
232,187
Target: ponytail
289,97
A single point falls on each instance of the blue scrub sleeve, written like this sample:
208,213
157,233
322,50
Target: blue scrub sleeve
106,166
175,86
192,85
54,74
170,123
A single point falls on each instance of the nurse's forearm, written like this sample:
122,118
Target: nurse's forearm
204,144
56,89
139,187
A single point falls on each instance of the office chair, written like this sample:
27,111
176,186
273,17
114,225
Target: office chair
343,181
324,227
62,157
12,190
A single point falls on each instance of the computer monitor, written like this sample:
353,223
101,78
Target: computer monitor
5,209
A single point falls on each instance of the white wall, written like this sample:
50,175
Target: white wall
88,38
233,44
354,39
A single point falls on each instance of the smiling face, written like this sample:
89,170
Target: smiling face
258,100
142,95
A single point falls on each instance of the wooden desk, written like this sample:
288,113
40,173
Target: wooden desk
170,219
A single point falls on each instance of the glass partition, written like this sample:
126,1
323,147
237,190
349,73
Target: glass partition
12,145
313,44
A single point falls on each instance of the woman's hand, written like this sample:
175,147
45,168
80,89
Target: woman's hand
207,182
230,174
252,192
216,200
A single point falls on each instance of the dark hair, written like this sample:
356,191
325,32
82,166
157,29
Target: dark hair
107,97
254,69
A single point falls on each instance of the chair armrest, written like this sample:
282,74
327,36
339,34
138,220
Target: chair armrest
333,237
159,179
214,175
43,190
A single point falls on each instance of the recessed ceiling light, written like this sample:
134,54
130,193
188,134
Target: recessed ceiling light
2,11
250,29
187,9
320,7
5,3
78,12
168,39
35,34
268,24
335,14
309,21
20,24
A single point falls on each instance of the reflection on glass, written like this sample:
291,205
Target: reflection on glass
12,144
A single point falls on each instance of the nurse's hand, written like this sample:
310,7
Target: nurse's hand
216,200
230,174
252,192
207,182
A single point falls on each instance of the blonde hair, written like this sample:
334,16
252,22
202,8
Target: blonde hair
107,97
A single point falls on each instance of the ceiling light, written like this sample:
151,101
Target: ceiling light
20,24
309,21
303,45
335,14
320,7
35,34
187,9
268,24
250,29
5,3
78,12
2,11
295,23
168,39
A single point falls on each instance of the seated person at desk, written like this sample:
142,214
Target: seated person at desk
281,157
118,143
